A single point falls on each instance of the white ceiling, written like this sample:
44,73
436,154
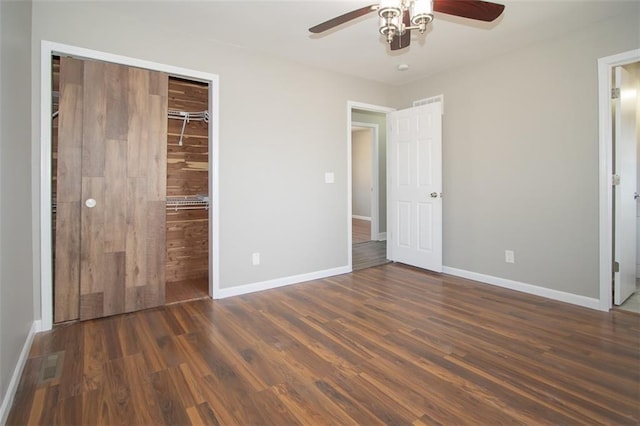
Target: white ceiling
280,29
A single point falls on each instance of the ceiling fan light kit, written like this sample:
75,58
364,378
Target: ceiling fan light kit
391,14
399,17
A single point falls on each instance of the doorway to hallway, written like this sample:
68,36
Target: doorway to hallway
367,218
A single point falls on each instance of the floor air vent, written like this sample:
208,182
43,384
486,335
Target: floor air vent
51,367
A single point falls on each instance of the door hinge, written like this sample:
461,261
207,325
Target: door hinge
615,180
615,93
616,266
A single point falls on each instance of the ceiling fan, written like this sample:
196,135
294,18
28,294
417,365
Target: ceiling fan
399,17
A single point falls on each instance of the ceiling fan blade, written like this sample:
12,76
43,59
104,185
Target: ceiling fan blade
338,20
404,40
472,9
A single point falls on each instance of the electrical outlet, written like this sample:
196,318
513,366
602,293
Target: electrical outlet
255,259
509,256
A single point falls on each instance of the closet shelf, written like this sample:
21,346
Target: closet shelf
194,202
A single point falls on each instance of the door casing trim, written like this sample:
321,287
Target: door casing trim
605,146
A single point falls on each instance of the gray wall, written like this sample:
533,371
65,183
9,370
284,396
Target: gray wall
275,145
520,153
16,283
361,150
380,119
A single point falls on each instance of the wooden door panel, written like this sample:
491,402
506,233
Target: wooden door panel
67,262
136,261
69,191
68,173
115,196
156,159
137,130
114,289
121,164
156,252
117,89
92,261
94,113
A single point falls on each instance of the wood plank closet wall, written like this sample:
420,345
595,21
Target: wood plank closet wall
184,268
187,175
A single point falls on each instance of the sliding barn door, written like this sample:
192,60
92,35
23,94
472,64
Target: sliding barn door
110,220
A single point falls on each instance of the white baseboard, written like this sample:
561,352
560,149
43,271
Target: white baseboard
382,236
7,401
280,282
355,216
575,299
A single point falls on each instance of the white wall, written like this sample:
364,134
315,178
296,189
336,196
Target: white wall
361,151
521,157
16,283
275,145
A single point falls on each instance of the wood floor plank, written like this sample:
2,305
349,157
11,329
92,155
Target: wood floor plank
95,355
385,345
207,415
118,399
143,398
173,412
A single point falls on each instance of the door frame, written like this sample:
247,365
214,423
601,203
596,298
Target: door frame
47,50
365,107
606,66
374,194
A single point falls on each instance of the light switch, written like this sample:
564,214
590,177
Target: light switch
329,177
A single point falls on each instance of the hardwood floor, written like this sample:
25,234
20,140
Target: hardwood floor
385,345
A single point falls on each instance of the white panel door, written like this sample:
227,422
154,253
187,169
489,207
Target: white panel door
625,200
415,186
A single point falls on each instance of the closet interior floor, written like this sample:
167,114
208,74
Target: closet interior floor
180,291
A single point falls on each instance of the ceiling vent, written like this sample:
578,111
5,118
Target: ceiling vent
431,100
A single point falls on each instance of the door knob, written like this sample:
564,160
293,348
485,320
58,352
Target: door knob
91,203
635,196
434,195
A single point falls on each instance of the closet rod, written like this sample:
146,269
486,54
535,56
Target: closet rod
186,117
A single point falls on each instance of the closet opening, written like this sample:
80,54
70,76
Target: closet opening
184,267
187,262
